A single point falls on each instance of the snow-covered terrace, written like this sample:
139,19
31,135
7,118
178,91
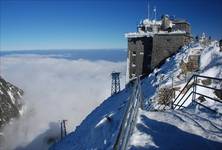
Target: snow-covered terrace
151,34
138,34
151,24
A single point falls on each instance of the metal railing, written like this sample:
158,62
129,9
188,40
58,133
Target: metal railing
129,119
193,84
173,84
135,102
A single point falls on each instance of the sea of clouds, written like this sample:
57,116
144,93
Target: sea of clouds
55,89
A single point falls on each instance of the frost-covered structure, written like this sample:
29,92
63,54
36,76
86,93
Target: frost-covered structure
153,42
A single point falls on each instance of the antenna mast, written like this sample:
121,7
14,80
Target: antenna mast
154,10
148,9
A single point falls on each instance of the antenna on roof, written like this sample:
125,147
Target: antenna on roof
154,10
148,9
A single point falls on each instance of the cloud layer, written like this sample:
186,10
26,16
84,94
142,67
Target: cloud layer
55,89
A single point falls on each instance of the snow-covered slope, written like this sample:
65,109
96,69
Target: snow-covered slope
10,105
171,73
100,128
192,127
98,131
180,129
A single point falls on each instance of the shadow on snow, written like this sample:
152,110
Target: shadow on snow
169,137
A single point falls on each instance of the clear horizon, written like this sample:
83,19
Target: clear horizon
98,24
63,49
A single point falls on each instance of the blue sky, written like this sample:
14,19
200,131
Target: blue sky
94,24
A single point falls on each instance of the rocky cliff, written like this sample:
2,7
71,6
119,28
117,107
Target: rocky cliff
10,103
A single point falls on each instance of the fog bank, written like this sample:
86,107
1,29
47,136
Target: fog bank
55,89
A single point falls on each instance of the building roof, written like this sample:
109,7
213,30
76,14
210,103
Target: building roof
148,28
138,34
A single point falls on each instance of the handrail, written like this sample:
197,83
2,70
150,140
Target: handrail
208,87
179,101
129,119
182,96
185,101
177,104
179,94
208,77
217,100
184,87
194,93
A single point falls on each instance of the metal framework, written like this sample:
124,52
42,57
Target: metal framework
63,128
115,87
183,97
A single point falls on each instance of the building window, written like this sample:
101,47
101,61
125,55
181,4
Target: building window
134,53
141,53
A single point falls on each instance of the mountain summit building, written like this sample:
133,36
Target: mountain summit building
154,41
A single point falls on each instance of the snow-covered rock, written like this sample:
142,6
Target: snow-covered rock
10,105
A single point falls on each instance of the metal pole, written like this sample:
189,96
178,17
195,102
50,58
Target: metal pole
148,9
194,88
64,127
61,129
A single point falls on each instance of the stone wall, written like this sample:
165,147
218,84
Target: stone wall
165,45
139,53
146,53
183,26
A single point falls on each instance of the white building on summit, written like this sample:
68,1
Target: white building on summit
154,41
